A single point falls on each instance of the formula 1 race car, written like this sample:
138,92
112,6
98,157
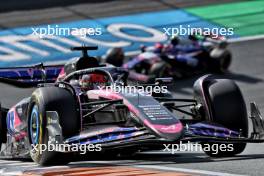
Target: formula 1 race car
83,108
179,59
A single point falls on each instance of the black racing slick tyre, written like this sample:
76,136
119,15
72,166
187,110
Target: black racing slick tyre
51,99
228,109
225,62
159,70
221,63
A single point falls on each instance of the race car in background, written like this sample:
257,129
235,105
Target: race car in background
74,110
178,59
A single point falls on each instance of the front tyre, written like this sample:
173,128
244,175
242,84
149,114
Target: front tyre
227,107
50,99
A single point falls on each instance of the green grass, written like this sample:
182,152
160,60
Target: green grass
247,18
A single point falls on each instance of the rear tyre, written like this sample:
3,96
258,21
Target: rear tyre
225,62
221,62
159,70
227,108
51,99
115,56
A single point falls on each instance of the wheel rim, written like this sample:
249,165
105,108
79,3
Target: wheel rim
34,125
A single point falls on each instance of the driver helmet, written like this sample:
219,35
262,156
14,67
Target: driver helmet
158,48
174,40
85,82
92,81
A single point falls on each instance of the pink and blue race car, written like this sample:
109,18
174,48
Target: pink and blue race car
77,109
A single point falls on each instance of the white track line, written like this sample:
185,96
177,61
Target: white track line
20,164
249,38
49,167
7,162
195,171
4,173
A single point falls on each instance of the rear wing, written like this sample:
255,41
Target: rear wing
29,76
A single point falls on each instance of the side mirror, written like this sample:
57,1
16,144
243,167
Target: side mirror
163,81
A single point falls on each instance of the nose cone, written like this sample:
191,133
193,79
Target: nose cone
170,132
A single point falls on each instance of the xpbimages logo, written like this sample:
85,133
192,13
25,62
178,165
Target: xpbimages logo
140,89
196,147
54,145
189,30
65,31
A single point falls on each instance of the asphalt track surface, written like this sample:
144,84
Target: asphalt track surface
30,12
247,70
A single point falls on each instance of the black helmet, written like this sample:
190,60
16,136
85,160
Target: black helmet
175,40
